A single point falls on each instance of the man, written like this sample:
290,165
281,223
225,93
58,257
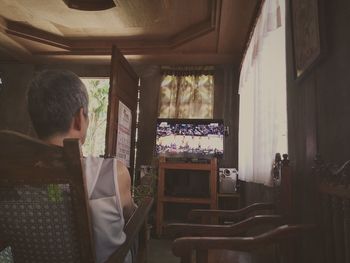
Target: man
58,107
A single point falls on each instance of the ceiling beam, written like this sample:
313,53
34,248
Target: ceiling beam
37,35
10,46
103,45
155,58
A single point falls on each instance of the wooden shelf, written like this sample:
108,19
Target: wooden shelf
186,200
185,166
162,199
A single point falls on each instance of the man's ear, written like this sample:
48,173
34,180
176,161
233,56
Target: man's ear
77,119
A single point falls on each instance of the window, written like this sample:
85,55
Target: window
186,96
98,102
263,102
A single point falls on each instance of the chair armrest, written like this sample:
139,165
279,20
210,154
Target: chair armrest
176,230
182,247
233,214
131,230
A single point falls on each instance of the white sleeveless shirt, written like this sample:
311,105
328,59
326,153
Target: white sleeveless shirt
105,207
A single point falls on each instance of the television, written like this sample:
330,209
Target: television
190,138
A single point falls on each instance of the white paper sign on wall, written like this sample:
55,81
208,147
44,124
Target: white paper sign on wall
124,134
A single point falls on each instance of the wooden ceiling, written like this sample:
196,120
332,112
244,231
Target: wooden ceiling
146,31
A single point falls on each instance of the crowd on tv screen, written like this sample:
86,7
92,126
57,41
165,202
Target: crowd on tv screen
202,139
190,129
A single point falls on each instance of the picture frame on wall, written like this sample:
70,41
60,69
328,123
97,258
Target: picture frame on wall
306,35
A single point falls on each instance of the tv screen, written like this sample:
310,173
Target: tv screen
192,138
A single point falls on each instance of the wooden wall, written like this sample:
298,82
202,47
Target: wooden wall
16,77
319,108
13,108
318,105
150,78
227,108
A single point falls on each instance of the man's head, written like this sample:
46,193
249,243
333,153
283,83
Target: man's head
58,105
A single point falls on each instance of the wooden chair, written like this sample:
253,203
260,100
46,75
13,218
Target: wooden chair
282,237
258,214
44,213
334,191
235,237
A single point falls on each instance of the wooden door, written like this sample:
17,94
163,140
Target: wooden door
122,104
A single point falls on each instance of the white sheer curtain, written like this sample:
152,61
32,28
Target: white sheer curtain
262,89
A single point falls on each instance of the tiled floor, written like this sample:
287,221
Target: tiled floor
160,252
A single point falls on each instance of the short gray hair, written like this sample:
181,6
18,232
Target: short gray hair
54,97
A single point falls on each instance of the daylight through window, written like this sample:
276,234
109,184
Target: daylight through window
98,102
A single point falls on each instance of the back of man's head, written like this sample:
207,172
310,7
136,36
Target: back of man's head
54,97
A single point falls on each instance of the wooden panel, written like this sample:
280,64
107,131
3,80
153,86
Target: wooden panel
37,35
13,107
163,199
123,88
215,29
286,189
160,206
150,18
228,31
334,190
213,182
338,230
326,111
326,225
73,157
346,212
186,166
333,186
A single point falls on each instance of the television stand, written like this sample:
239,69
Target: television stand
200,160
175,159
186,160
207,169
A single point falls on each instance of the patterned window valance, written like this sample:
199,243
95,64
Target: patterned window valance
187,70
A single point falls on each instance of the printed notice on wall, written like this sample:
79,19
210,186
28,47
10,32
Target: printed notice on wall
124,134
